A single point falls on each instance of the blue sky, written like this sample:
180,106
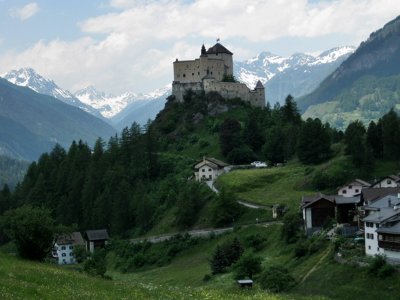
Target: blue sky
129,45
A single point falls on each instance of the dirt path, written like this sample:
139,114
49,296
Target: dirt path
326,253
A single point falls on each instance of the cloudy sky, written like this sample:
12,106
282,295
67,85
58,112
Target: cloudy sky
129,45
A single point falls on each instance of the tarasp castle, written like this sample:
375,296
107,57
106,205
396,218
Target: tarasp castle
213,71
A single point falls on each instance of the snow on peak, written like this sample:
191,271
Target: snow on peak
110,105
267,65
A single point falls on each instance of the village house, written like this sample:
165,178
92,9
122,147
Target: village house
353,188
96,239
382,228
209,169
390,181
64,247
319,209
213,72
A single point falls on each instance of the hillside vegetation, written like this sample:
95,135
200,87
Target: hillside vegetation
364,87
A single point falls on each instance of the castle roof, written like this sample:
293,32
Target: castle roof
259,85
218,48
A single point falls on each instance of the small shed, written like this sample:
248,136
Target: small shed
96,239
245,283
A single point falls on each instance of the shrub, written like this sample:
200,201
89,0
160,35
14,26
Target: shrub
247,266
276,279
96,265
380,267
255,241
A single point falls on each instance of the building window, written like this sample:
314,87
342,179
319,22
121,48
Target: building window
71,254
209,170
350,187
184,75
71,247
210,176
203,170
63,248
370,236
357,190
344,191
64,254
388,181
377,249
192,74
369,247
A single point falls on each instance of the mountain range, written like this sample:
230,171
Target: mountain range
365,86
297,74
32,123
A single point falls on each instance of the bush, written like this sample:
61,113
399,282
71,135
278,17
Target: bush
96,264
276,279
255,241
247,266
380,268
207,277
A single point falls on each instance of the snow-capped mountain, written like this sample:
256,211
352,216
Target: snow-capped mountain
29,78
110,106
296,75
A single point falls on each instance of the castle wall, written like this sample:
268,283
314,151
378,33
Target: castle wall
194,70
179,89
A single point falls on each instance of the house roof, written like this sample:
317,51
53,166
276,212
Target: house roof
74,238
211,162
395,229
346,200
218,48
385,201
309,200
373,194
395,178
381,215
94,235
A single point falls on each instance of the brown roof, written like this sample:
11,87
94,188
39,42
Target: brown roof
94,235
218,48
372,194
212,162
308,200
74,238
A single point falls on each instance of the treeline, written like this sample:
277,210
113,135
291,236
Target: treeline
379,140
124,185
276,134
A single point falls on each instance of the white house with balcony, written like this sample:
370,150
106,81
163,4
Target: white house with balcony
64,247
382,228
209,169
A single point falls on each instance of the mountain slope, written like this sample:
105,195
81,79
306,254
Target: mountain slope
31,123
365,85
29,78
297,75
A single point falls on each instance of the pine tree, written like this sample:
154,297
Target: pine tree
218,262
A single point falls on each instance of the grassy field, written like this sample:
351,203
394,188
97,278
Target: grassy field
269,186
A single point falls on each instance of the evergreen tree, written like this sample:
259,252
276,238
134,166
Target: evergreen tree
218,262
225,209
247,266
354,138
289,110
273,148
314,142
391,135
374,138
252,134
229,135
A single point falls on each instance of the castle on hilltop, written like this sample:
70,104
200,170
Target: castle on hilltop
213,72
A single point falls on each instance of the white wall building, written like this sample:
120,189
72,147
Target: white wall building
382,228
209,169
64,247
390,181
353,188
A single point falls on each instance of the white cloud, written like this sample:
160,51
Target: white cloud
25,12
133,48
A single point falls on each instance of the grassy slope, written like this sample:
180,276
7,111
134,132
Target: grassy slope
268,186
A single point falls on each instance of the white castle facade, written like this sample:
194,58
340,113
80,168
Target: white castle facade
213,72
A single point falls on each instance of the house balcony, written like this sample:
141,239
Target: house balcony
393,246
